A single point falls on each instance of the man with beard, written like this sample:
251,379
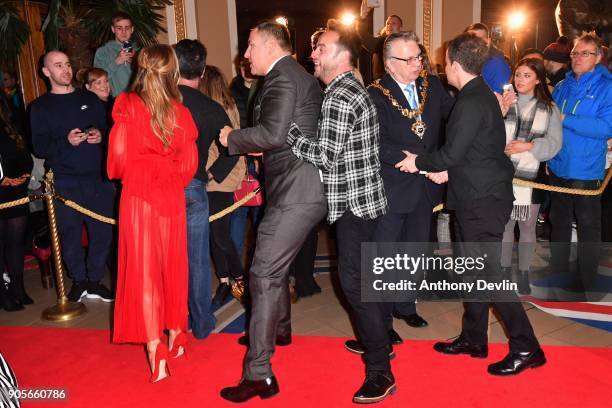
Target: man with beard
346,153
67,127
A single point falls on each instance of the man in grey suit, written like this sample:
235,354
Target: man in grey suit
294,194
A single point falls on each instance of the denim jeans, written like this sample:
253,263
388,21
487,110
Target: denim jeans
201,319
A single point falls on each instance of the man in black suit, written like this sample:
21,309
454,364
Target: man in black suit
480,192
410,106
294,196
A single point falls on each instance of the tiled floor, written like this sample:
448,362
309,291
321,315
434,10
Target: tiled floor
323,314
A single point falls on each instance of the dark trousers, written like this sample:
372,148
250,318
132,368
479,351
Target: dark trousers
226,259
302,267
280,236
351,231
586,210
97,196
415,227
483,222
12,251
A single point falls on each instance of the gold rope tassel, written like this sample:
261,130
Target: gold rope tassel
554,189
234,206
112,221
21,201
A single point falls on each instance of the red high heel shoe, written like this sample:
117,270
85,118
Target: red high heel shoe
161,354
178,348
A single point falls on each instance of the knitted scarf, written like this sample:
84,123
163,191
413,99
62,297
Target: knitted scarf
526,124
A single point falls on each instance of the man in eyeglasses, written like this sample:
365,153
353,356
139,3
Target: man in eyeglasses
410,105
585,101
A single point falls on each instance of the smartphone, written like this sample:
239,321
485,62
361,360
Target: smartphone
127,46
374,3
508,87
88,128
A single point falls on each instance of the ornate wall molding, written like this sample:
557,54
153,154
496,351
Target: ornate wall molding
427,24
179,19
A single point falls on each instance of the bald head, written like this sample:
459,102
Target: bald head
57,67
52,56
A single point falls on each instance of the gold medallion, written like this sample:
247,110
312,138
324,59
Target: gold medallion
419,128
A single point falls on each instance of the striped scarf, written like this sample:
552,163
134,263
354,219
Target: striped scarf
526,124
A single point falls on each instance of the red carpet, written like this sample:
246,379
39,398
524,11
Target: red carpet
313,372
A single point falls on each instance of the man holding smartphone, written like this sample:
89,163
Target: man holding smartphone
117,55
67,126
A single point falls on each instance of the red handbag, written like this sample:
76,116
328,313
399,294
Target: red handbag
248,185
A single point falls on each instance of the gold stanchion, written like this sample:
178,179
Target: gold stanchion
63,310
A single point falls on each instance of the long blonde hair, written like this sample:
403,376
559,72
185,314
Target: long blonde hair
214,85
157,85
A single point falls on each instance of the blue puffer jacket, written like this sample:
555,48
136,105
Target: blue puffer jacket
587,104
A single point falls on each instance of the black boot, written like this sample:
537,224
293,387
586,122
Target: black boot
223,292
17,290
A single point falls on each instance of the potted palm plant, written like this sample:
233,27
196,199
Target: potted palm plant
79,27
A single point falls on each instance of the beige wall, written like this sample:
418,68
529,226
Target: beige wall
406,9
213,31
456,15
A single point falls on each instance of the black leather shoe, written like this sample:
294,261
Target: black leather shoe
376,387
355,346
24,299
414,320
280,340
8,303
248,389
460,346
394,338
515,362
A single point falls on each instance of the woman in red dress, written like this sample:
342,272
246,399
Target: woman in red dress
152,150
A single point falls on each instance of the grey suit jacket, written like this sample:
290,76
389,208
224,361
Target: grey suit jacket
288,94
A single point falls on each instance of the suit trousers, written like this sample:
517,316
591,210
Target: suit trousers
483,221
302,267
351,231
414,226
280,236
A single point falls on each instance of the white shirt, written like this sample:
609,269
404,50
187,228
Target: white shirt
274,63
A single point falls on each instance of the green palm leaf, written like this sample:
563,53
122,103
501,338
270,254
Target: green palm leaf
146,16
14,33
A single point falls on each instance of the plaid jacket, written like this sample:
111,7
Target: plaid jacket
346,150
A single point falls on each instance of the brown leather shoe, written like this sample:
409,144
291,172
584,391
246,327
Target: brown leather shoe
248,389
